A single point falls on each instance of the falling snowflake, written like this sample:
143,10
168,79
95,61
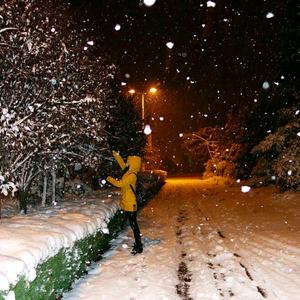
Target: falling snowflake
161,118
91,43
117,27
170,45
210,4
149,2
289,172
180,134
269,15
266,85
53,81
245,188
147,129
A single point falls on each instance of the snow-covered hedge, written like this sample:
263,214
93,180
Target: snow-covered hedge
59,272
43,253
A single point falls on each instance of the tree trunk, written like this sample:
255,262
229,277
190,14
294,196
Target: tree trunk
23,201
53,174
44,196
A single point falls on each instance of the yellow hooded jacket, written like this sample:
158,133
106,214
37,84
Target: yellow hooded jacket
128,201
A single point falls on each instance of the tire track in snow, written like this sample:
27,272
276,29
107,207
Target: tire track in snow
217,268
183,273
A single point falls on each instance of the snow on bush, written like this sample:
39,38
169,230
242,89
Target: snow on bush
217,147
282,151
7,186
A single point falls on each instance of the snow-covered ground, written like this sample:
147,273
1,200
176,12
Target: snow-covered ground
26,241
204,242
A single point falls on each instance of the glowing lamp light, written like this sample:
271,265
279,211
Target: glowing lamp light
132,91
153,90
147,129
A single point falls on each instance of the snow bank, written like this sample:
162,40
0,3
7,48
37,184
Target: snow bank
26,241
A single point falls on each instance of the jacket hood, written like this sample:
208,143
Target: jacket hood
134,163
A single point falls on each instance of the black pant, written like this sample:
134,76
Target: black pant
132,218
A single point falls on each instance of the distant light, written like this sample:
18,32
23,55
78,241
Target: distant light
123,83
117,27
153,90
91,43
149,2
53,29
132,91
245,188
127,75
85,48
210,4
170,45
269,15
103,181
147,129
180,134
289,172
298,133
161,118
266,85
203,25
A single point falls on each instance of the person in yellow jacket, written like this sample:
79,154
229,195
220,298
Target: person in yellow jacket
128,198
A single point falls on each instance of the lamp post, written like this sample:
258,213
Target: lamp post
153,91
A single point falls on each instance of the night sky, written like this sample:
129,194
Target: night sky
221,56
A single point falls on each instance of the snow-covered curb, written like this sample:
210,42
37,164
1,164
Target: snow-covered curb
28,241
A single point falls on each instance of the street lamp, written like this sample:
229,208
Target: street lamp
152,90
146,127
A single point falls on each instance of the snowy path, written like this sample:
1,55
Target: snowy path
204,242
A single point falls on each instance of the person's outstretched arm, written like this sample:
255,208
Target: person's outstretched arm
119,183
119,160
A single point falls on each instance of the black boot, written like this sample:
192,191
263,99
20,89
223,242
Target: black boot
137,248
